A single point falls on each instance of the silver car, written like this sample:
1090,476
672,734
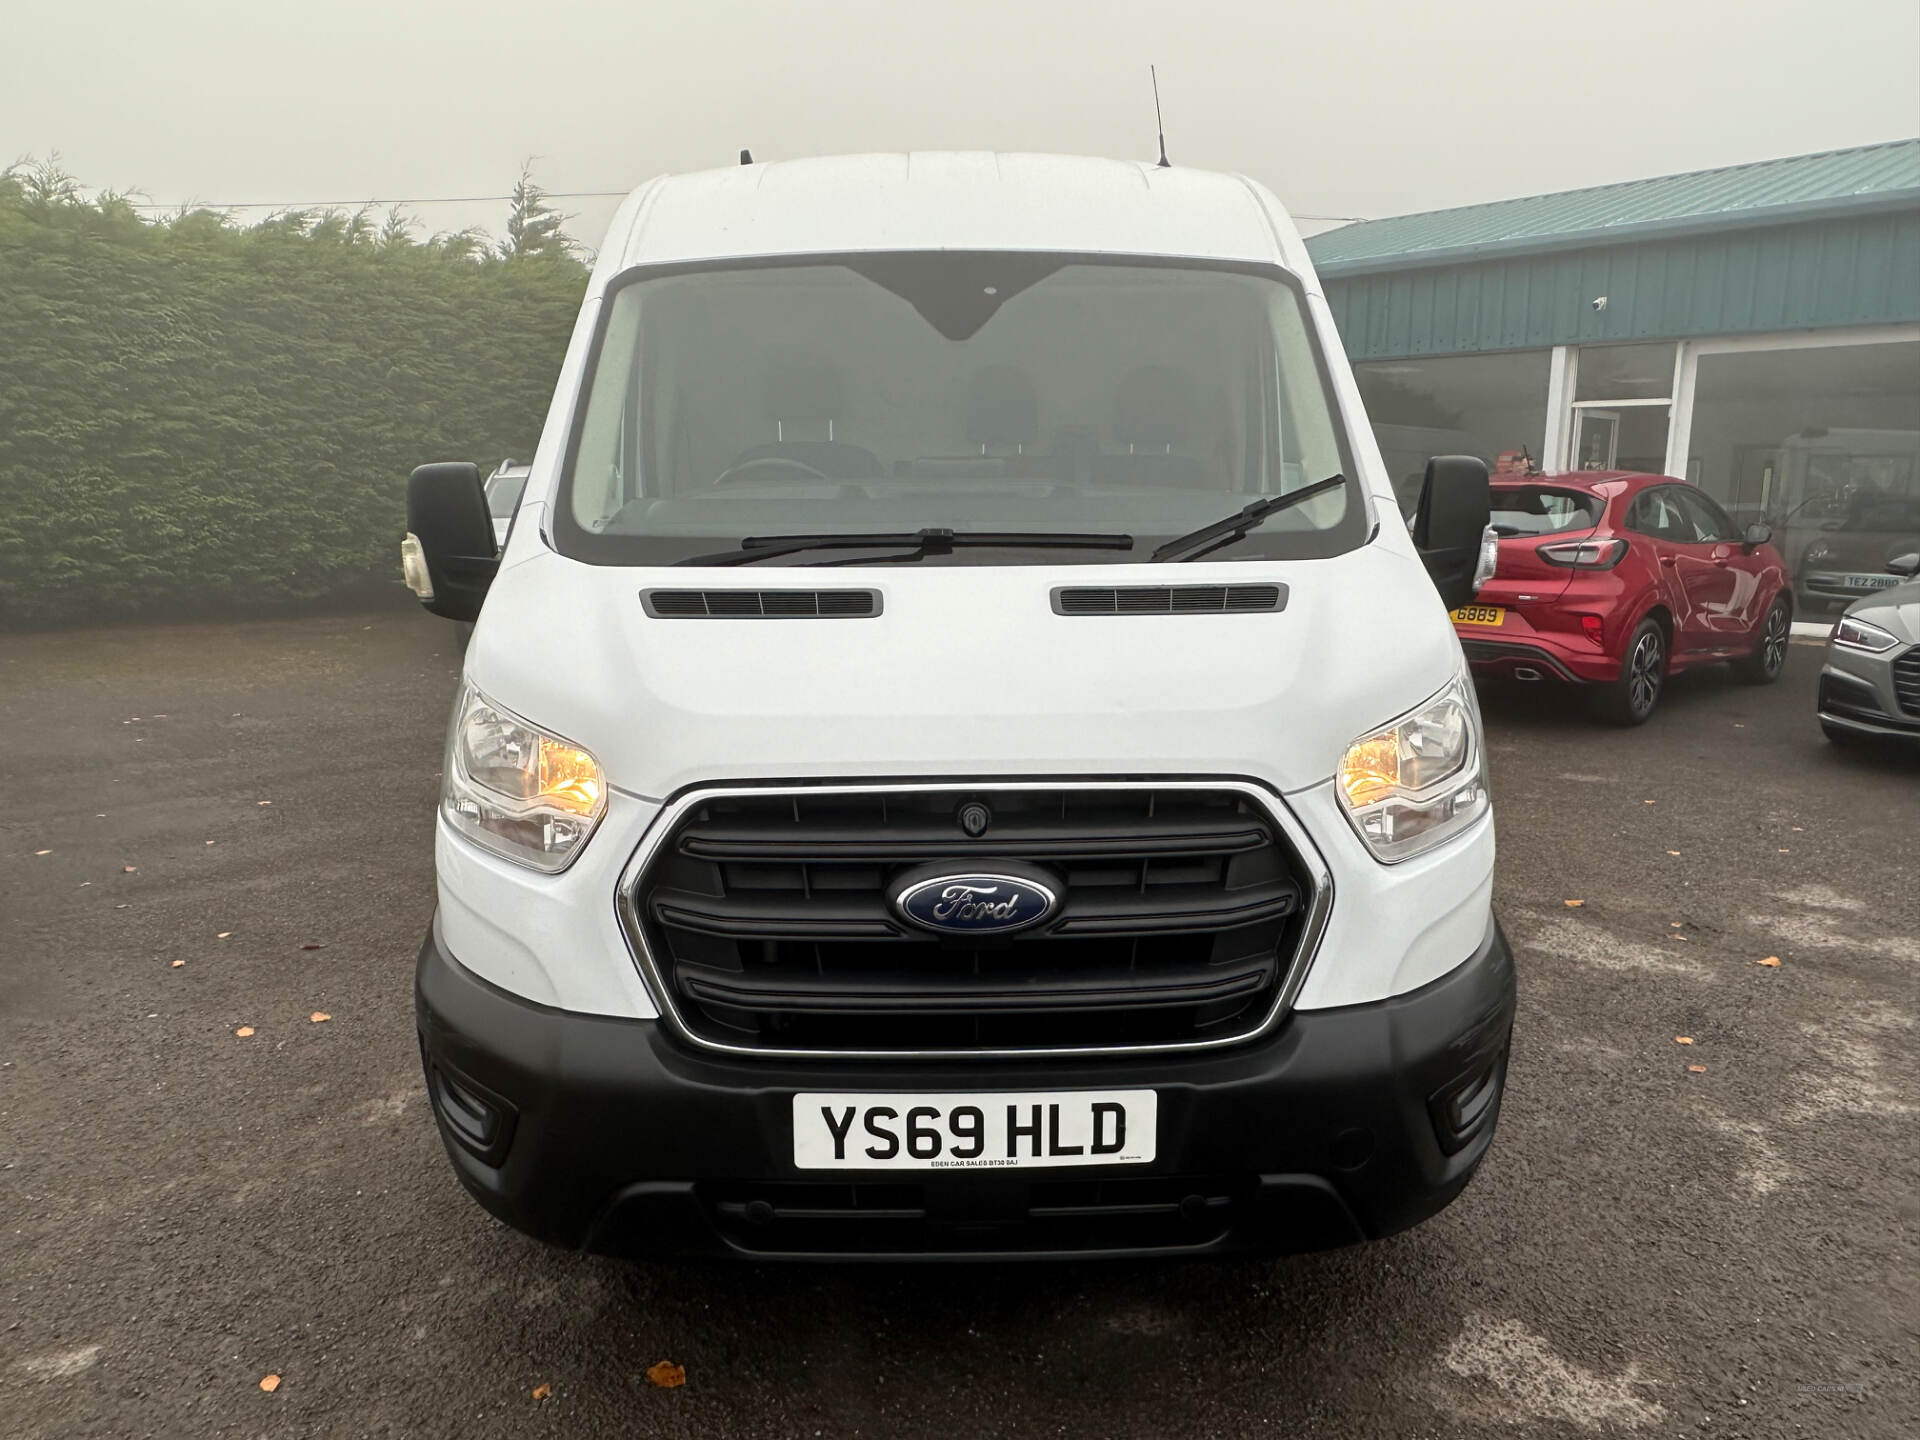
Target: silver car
504,488
1870,685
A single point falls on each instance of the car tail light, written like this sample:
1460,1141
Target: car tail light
1590,627
1584,554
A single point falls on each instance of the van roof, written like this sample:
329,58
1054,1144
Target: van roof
930,200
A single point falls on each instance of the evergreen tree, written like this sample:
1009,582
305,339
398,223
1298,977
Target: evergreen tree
196,416
534,228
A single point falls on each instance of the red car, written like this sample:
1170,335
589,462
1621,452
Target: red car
1616,580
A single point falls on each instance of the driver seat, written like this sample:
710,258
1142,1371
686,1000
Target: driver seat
805,390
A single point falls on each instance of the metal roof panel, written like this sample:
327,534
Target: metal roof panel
1833,182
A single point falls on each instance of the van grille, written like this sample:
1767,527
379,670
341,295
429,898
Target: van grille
1128,1213
769,922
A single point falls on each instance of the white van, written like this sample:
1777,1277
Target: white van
1097,862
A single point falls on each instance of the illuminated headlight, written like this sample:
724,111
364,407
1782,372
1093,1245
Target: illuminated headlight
413,567
1417,782
516,790
1863,635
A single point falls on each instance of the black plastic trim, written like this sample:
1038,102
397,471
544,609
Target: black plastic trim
627,1141
679,603
1250,599
1494,652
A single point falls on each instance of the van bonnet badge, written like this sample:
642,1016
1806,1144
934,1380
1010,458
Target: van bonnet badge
975,904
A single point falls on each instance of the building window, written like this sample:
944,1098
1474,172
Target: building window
1823,444
1485,405
1623,398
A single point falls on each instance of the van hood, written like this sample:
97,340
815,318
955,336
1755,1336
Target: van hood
966,671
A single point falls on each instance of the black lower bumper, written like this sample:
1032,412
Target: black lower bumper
613,1135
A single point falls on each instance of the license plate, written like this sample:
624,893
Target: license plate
1869,582
1003,1131
1479,615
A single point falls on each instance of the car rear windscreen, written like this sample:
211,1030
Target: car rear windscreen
1542,510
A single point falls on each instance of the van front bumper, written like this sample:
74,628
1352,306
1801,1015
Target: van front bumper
614,1135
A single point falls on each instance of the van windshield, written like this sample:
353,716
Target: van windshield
976,392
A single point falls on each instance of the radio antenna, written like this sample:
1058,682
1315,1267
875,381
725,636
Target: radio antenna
1159,124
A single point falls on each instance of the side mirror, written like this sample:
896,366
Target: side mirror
1450,525
447,517
1907,565
1756,535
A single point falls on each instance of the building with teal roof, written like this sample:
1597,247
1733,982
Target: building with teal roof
1755,329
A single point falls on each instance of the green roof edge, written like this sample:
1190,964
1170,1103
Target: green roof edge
1669,228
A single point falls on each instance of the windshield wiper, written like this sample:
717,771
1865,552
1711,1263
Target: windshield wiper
916,544
1209,538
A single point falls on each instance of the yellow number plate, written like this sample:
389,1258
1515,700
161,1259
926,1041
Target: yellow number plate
1479,615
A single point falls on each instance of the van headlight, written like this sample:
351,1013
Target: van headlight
513,789
1419,781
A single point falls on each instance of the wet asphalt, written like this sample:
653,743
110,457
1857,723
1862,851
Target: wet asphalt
238,820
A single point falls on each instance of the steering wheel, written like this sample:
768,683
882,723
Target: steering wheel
744,469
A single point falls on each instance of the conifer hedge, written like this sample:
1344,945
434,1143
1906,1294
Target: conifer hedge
198,417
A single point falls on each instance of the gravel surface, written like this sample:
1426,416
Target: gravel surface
239,821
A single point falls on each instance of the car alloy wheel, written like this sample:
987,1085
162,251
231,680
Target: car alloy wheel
1646,669
1773,644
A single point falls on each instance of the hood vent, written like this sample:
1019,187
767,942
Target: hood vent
1168,599
761,604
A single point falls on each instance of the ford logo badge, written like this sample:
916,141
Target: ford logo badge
975,904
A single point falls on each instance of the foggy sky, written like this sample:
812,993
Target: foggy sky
1371,107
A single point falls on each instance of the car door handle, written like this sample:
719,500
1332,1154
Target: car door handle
1668,560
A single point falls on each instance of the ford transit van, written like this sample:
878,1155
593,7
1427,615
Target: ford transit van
961,755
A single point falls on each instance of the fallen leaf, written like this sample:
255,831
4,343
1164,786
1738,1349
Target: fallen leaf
319,1017
1799,829
315,946
666,1374
1696,1069
223,934
1573,904
43,852
244,1031
1784,850
1772,962
123,907
209,842
129,869
1649,802
1674,923
263,802
1683,1039
269,1383
1673,852
178,963
540,1392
